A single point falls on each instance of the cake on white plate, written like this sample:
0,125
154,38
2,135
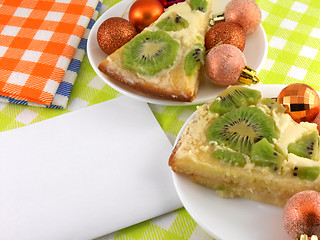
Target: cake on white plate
244,145
166,58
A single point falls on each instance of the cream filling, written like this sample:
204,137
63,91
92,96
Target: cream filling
289,130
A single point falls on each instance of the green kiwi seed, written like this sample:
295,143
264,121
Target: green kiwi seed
241,128
194,59
150,52
235,97
200,5
174,22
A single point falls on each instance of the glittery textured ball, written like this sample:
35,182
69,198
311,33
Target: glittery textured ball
225,33
301,101
224,64
113,33
301,214
144,12
245,12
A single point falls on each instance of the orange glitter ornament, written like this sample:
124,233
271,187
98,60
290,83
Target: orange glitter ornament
144,12
301,101
113,33
225,33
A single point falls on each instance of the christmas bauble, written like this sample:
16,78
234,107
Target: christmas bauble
247,13
224,64
168,3
301,101
144,12
225,33
113,33
301,214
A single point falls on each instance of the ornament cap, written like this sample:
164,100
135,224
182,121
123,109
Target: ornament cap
248,76
216,18
305,237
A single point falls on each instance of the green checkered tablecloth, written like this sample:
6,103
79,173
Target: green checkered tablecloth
293,32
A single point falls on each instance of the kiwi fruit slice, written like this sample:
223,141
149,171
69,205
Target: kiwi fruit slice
194,59
174,22
150,52
307,146
263,154
271,104
230,157
307,173
241,128
200,5
234,97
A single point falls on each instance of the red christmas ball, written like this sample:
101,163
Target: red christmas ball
168,3
144,12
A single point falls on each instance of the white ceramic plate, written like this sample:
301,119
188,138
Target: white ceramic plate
255,53
239,219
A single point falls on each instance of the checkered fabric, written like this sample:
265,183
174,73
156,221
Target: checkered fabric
293,32
61,97
37,42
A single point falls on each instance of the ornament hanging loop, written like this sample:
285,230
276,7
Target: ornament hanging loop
248,76
216,18
305,237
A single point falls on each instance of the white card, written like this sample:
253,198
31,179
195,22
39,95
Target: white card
84,174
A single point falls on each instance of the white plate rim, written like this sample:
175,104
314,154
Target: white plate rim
121,9
268,90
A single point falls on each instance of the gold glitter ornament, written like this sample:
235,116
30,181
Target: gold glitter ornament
301,215
301,101
113,33
225,33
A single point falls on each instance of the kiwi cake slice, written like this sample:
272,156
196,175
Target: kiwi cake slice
244,145
150,53
164,60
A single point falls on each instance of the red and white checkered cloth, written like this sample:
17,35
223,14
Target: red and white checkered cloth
38,39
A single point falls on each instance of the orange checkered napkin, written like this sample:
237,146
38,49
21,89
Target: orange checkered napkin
38,39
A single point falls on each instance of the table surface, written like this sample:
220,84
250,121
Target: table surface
293,33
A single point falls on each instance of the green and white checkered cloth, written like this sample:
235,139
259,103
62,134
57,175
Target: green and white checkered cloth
293,32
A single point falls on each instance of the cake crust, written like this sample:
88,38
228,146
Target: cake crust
134,82
192,156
